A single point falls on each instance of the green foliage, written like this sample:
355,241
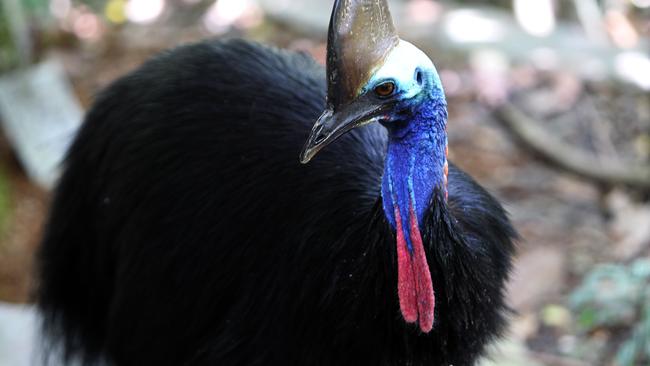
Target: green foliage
34,11
96,5
616,295
7,52
31,6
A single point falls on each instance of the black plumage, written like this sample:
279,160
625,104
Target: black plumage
184,230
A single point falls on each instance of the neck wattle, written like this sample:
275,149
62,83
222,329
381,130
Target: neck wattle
416,165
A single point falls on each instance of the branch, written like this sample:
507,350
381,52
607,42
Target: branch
606,171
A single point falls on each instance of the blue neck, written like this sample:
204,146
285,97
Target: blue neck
415,163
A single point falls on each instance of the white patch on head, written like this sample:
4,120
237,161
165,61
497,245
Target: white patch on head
401,65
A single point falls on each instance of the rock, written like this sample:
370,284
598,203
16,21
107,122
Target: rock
40,117
17,331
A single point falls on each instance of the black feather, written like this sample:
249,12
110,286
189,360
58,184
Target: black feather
185,231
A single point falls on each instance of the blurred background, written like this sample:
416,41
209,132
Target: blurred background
549,105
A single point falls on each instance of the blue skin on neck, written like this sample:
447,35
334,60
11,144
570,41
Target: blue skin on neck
416,156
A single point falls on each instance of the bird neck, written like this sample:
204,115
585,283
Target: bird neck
415,167
416,163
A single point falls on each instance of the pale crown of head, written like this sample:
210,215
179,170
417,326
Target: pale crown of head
401,67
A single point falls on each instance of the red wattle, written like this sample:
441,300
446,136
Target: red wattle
406,287
424,287
414,286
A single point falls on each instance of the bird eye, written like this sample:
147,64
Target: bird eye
385,89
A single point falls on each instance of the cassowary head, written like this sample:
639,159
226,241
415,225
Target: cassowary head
373,76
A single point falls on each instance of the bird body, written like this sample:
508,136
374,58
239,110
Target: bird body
185,231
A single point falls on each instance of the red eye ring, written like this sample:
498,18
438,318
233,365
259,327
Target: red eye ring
385,89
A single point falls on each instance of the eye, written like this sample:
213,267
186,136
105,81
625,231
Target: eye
385,89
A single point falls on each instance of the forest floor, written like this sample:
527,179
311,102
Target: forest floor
567,225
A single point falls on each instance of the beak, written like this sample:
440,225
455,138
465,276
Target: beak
361,35
332,125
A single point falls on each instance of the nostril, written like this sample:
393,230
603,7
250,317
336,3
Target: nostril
320,136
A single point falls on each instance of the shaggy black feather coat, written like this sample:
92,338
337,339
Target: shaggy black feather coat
184,230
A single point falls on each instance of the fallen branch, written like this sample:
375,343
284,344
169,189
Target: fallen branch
549,147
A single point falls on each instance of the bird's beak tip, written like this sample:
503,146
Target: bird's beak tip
311,150
304,159
308,153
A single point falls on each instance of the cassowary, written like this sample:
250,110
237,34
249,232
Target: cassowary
185,230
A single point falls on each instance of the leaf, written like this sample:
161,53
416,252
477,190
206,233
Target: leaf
587,319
